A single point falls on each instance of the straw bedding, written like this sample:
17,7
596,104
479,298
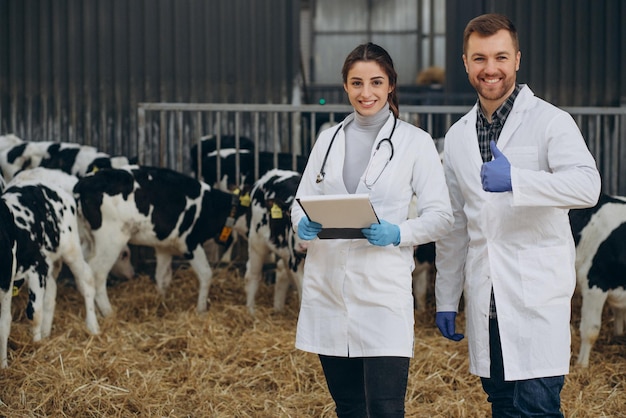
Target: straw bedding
156,357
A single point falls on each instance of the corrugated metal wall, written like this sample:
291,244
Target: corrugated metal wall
75,70
573,51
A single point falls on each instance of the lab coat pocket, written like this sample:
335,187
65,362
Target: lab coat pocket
523,157
547,275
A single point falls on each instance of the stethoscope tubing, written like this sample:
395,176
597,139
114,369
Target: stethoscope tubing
321,174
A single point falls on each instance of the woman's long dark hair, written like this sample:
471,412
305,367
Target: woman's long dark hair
373,52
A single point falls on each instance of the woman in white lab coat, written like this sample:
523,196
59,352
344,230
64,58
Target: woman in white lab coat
513,237
357,305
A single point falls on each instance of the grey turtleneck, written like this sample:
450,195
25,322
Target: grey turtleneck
360,136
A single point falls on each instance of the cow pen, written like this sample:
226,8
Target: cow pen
166,131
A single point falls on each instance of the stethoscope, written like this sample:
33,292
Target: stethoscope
322,173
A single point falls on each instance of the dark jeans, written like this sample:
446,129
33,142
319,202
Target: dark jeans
367,387
540,397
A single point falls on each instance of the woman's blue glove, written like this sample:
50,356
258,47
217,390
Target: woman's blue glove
445,323
496,174
382,234
308,229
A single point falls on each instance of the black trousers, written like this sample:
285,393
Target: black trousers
367,387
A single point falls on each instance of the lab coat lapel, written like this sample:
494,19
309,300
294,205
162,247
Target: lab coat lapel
470,144
515,117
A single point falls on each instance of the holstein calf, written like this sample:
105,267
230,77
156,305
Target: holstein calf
70,158
232,166
270,231
600,236
47,236
8,263
26,155
79,161
122,267
243,151
226,153
155,207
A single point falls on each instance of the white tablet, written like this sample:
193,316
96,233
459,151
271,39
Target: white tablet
341,216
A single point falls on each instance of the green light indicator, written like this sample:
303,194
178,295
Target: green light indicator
322,101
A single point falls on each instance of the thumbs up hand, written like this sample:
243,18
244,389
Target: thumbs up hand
496,174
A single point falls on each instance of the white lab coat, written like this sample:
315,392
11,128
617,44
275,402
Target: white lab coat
520,242
357,298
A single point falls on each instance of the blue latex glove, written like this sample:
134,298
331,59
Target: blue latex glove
445,323
308,229
382,234
496,174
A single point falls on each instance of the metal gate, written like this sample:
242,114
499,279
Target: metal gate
167,131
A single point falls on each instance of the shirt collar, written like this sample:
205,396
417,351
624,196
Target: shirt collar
502,112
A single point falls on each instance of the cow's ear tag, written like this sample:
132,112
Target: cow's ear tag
225,234
276,212
16,291
245,200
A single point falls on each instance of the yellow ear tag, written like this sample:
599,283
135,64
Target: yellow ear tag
276,212
16,291
245,200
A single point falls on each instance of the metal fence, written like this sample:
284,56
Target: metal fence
167,131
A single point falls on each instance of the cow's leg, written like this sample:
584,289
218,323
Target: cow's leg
298,279
213,250
590,322
201,266
86,284
105,253
49,303
163,270
619,314
257,253
420,275
5,323
284,278
34,311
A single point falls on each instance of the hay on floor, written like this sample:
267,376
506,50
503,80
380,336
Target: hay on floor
156,357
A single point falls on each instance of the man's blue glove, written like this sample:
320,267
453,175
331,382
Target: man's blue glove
308,229
496,174
382,234
445,323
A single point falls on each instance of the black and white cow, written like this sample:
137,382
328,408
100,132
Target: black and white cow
82,160
236,162
68,157
243,151
8,264
600,236
9,141
270,232
219,157
122,268
156,207
26,155
47,236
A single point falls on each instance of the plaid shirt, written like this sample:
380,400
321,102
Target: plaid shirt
491,131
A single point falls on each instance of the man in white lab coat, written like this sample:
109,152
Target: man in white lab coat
514,166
